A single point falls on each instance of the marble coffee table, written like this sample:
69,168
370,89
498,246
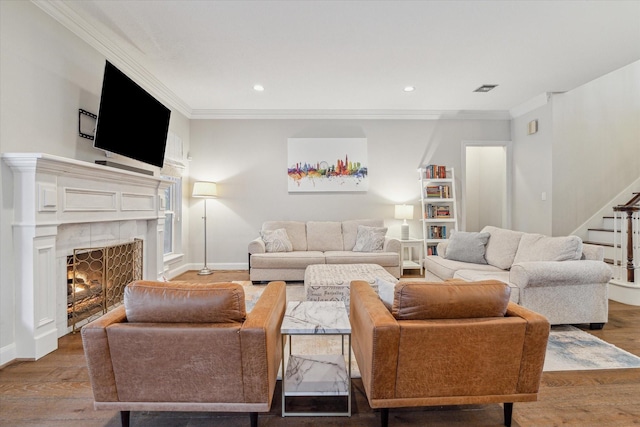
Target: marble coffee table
316,375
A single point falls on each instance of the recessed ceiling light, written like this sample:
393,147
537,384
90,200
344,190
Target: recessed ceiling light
258,88
409,88
485,88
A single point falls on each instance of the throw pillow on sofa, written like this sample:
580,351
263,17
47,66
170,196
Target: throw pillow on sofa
538,247
370,239
502,246
276,240
467,247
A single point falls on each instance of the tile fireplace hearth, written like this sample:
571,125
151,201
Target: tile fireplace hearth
60,204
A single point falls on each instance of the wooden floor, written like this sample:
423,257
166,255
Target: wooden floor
55,392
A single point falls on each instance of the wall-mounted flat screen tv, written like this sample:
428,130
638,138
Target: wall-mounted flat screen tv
131,122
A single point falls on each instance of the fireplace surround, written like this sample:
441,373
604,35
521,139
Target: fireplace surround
60,204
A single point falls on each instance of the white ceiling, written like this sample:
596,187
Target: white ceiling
205,56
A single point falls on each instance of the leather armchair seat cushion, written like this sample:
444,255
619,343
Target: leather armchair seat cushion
451,300
167,302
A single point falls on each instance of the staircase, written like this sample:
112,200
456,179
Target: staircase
604,236
619,235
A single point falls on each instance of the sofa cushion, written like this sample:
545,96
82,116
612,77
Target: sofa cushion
324,236
384,259
296,231
167,302
350,230
276,240
386,292
292,260
592,252
501,275
446,268
467,247
537,247
369,239
452,300
502,246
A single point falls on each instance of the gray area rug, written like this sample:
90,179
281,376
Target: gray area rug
569,348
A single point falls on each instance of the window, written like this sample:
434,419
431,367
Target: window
172,213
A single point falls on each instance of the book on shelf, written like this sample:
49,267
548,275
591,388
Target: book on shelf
432,250
438,191
437,232
435,172
437,211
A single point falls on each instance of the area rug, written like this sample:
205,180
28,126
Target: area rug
569,348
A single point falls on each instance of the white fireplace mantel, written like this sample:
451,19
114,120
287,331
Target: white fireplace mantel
51,191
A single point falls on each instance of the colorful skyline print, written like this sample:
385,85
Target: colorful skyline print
327,164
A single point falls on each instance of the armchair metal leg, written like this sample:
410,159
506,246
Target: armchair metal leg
508,411
253,416
124,418
384,417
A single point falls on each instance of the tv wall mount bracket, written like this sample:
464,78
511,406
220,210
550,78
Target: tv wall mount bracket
88,122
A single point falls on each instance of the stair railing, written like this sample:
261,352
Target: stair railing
629,214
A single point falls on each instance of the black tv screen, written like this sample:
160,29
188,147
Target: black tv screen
131,122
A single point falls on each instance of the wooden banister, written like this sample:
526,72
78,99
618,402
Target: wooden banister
630,208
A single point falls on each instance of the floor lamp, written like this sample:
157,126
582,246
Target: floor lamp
205,190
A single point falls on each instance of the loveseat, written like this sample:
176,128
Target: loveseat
446,344
559,277
284,249
186,347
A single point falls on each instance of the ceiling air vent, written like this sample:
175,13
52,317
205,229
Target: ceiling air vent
485,88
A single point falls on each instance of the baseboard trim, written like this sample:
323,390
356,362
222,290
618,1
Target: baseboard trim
7,354
624,292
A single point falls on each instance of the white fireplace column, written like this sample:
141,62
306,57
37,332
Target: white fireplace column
50,191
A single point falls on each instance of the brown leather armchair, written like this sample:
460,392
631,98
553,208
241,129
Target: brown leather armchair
186,347
446,344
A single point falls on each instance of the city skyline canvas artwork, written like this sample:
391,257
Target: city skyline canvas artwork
327,165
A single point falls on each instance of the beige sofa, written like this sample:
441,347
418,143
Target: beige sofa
320,242
558,277
186,347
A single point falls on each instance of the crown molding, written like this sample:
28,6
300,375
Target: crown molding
90,34
530,105
104,44
351,114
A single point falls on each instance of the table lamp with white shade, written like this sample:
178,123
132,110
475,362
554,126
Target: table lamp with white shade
404,212
205,190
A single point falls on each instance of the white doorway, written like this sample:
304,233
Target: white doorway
486,184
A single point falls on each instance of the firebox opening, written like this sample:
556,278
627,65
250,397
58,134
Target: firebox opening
96,278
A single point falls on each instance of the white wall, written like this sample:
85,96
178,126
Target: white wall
485,187
248,159
596,145
532,174
46,75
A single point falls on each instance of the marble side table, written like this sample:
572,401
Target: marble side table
316,375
